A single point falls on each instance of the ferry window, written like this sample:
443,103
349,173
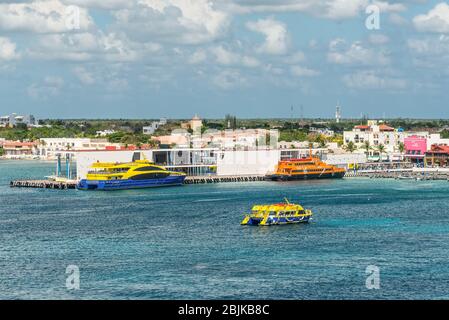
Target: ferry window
148,168
119,170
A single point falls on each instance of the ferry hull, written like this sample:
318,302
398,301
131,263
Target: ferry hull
108,185
281,177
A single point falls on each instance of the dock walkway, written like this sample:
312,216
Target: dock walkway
218,179
48,184
43,184
400,175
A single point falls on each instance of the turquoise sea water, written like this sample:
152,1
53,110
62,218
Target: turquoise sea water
187,242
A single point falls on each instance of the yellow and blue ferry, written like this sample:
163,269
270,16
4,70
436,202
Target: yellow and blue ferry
275,214
131,175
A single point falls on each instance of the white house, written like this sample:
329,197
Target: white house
49,147
154,126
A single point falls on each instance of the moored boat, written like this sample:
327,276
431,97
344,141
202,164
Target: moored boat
131,175
276,214
306,168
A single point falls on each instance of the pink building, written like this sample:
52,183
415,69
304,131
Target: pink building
415,148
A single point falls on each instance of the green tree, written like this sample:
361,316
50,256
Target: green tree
401,149
350,146
367,147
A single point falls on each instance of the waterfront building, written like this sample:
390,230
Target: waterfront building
248,139
437,156
178,138
15,119
323,131
345,160
18,149
194,125
104,133
212,161
154,126
240,139
50,147
375,134
415,148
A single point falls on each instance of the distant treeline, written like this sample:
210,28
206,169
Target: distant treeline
129,131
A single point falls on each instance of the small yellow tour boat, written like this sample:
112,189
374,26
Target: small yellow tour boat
275,214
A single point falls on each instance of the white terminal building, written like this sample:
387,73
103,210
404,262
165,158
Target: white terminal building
212,161
49,148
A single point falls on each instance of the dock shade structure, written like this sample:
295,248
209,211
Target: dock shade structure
66,169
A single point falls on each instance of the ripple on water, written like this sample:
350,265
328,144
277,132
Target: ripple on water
187,242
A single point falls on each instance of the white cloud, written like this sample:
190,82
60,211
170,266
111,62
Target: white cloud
44,16
331,9
173,21
88,46
229,58
83,75
105,4
277,40
8,50
397,19
432,52
378,39
197,57
370,79
49,87
436,20
228,79
355,54
304,72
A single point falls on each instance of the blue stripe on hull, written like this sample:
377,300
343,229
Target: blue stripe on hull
130,184
276,221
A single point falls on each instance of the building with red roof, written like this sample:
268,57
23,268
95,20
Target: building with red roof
438,155
18,148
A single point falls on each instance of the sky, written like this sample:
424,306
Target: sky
250,58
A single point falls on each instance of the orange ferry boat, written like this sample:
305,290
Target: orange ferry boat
306,168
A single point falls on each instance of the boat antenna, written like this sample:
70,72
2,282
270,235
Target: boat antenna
286,200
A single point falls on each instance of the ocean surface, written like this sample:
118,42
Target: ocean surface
187,242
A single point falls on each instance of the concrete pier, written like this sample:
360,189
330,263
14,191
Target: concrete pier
43,184
401,175
218,179
48,184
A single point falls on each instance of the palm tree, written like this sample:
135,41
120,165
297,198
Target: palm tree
401,148
351,147
323,144
367,147
381,149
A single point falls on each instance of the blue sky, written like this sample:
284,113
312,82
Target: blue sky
176,58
